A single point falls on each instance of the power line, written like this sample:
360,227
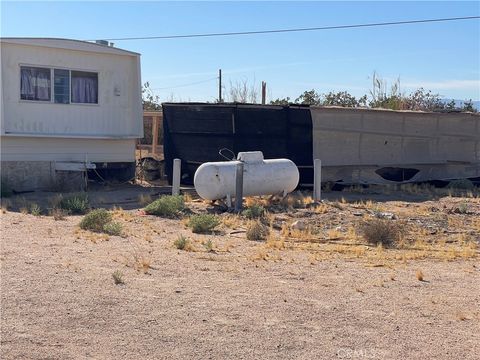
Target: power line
295,29
189,84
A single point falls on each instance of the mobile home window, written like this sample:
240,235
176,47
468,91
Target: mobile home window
84,87
35,83
61,86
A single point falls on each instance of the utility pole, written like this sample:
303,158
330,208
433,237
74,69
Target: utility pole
220,86
264,92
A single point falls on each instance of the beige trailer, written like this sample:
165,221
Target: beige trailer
384,146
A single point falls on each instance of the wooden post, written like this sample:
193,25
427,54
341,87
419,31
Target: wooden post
177,164
317,180
264,92
220,86
239,187
154,134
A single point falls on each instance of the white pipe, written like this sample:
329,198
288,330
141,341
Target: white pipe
177,163
317,181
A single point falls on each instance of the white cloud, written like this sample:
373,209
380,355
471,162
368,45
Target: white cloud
442,85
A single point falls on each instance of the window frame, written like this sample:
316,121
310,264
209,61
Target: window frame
20,81
52,84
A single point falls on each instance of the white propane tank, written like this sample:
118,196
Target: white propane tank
216,180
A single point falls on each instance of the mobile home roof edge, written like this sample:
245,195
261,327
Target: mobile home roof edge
70,44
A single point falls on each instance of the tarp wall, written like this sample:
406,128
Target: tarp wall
195,133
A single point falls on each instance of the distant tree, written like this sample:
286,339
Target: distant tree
284,101
243,92
424,100
343,98
149,100
309,98
468,106
450,105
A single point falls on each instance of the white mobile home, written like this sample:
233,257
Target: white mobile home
67,106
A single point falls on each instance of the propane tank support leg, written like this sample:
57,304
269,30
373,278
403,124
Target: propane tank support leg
239,187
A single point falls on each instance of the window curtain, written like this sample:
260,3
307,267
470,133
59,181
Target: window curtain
84,90
35,84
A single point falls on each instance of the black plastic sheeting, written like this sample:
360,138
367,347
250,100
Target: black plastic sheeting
195,133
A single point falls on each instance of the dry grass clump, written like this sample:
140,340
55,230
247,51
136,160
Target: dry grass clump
232,221
203,223
35,209
118,277
275,242
257,231
419,275
166,206
296,201
100,220
379,231
183,243
145,199
58,214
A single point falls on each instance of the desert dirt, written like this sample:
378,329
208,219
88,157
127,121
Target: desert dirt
319,292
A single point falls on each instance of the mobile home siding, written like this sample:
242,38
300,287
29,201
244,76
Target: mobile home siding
114,116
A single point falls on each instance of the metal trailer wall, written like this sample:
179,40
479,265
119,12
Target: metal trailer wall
196,132
384,146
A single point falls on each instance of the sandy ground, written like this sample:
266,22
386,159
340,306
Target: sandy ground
242,300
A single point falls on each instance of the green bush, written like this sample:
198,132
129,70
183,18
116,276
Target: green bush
113,228
75,204
257,231
203,223
253,212
96,220
167,206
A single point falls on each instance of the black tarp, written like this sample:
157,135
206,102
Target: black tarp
195,133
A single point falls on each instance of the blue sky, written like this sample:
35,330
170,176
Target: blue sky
442,57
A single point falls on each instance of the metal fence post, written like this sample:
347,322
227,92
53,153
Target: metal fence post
177,163
317,179
239,187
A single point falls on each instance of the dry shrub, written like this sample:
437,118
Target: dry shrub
257,231
144,199
275,242
379,231
58,214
